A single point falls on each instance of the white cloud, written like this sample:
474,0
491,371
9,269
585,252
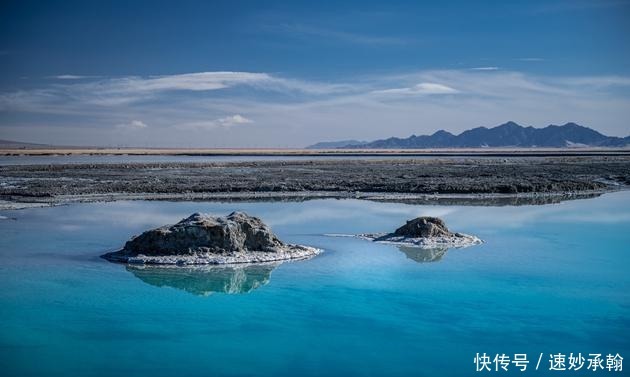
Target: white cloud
304,112
133,125
116,91
223,122
125,90
209,81
192,81
421,88
485,69
230,121
497,84
69,77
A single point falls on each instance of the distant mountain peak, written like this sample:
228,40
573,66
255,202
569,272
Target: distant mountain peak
575,125
442,133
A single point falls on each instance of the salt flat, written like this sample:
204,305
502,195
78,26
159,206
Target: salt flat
397,179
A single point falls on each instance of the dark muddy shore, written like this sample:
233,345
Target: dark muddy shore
400,179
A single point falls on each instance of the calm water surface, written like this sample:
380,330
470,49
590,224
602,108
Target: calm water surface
548,279
145,159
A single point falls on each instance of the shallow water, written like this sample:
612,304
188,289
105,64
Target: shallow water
144,159
147,159
548,279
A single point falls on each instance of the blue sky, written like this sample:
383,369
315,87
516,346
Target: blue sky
288,74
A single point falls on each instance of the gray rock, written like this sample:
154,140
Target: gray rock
425,226
424,232
204,239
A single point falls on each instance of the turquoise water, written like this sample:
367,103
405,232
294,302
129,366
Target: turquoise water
548,279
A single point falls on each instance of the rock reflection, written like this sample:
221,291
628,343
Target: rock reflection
490,200
422,255
207,279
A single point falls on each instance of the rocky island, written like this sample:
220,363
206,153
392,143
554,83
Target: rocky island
204,239
424,232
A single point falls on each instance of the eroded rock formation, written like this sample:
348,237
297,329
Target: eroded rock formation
424,227
204,239
424,232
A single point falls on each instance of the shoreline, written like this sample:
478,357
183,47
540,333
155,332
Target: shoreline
290,253
481,181
404,198
290,152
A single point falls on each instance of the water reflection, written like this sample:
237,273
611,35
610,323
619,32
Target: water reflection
205,280
421,255
490,200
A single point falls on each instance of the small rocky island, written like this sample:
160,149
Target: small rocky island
204,239
424,232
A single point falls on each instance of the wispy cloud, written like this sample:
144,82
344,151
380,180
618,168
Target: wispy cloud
223,122
202,81
72,77
485,69
129,89
305,111
114,91
133,125
419,89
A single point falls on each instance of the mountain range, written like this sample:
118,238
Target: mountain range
336,144
509,134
